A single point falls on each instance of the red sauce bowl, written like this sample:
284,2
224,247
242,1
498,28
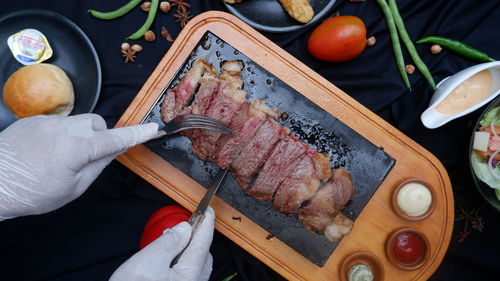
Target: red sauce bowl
407,248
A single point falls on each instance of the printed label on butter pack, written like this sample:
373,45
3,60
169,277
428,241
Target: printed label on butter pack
29,46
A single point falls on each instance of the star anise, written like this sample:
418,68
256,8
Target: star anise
182,5
465,215
478,223
471,220
463,234
182,17
129,55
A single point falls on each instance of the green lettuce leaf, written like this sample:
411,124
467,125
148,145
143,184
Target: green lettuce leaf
492,114
482,171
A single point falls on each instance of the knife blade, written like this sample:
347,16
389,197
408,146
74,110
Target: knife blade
199,214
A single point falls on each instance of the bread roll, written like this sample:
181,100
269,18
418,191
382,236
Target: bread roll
300,10
39,89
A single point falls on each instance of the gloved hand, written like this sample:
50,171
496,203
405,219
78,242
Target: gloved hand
48,161
153,262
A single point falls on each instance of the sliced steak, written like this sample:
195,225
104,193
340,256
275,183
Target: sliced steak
256,152
327,202
302,183
244,126
209,87
280,163
177,98
227,103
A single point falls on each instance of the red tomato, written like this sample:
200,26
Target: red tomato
338,39
166,217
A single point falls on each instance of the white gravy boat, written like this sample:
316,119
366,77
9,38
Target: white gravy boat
432,119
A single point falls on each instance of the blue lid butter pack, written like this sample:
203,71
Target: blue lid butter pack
29,46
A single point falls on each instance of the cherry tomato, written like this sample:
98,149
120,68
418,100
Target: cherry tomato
166,217
338,39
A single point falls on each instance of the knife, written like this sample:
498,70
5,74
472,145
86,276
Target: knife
198,215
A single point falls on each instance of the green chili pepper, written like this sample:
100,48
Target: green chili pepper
151,16
396,46
116,13
457,47
409,45
230,277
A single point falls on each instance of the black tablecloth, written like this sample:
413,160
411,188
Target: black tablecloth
90,237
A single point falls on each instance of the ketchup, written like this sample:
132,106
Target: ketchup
408,248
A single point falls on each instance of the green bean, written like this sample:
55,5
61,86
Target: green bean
396,46
458,47
116,13
230,277
151,16
409,44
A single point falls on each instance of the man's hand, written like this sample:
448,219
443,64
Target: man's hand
153,262
48,161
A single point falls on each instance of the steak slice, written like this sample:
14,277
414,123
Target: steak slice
244,126
303,182
256,152
177,98
280,163
228,101
209,86
327,202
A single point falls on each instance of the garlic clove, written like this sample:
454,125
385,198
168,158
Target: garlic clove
136,48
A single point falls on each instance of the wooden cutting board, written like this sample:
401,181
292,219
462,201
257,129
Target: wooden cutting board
376,221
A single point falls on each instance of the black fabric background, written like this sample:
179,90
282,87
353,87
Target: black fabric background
90,237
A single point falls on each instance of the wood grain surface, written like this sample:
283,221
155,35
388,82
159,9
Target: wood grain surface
376,221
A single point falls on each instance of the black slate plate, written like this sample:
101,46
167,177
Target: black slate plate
269,15
485,190
73,52
367,163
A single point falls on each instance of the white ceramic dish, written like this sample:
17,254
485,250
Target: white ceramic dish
432,119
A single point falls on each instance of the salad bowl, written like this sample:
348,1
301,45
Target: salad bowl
485,167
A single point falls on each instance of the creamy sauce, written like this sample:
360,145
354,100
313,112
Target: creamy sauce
414,199
360,272
469,93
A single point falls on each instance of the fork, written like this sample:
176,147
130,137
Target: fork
192,121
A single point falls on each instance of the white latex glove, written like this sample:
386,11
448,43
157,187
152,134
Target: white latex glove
153,262
48,161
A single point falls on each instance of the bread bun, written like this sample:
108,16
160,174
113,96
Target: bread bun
39,89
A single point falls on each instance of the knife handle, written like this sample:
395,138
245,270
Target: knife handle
195,221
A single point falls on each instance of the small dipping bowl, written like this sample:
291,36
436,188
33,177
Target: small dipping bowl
407,248
431,118
401,213
364,258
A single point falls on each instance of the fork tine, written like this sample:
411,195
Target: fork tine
191,121
215,129
201,122
192,117
205,126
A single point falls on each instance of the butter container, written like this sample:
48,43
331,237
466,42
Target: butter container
29,46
